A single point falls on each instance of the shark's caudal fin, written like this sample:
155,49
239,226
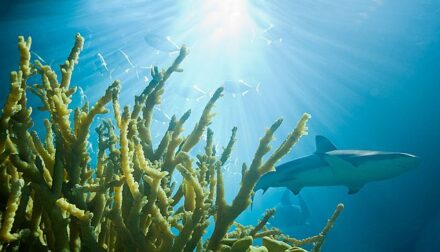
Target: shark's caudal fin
323,145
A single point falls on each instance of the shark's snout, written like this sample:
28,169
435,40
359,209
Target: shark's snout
410,162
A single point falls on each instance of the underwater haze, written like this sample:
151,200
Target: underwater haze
367,71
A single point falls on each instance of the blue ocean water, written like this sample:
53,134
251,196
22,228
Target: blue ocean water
368,71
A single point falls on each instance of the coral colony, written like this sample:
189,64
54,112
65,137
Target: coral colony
52,199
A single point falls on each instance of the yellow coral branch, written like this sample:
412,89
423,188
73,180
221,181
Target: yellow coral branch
126,155
204,121
267,215
72,60
24,46
11,107
327,228
9,214
74,210
226,214
299,131
59,174
15,94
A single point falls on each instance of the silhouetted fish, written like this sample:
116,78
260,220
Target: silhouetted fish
239,87
162,43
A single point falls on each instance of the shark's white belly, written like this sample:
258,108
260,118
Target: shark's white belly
324,176
340,175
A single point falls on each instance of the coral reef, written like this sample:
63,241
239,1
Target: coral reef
52,199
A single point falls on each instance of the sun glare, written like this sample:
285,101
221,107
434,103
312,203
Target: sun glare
226,22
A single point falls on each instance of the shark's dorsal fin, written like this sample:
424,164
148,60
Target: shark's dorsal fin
323,145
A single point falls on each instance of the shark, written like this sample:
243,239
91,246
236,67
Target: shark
288,214
330,166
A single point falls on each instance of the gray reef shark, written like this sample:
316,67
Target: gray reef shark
288,214
329,166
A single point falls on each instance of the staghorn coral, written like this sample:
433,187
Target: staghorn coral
52,199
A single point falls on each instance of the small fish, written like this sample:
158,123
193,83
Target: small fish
102,61
189,93
162,44
136,68
203,93
130,63
231,166
161,116
82,95
38,57
266,36
127,58
102,66
239,87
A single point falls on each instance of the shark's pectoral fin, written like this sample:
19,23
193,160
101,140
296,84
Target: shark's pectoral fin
352,189
295,189
338,165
